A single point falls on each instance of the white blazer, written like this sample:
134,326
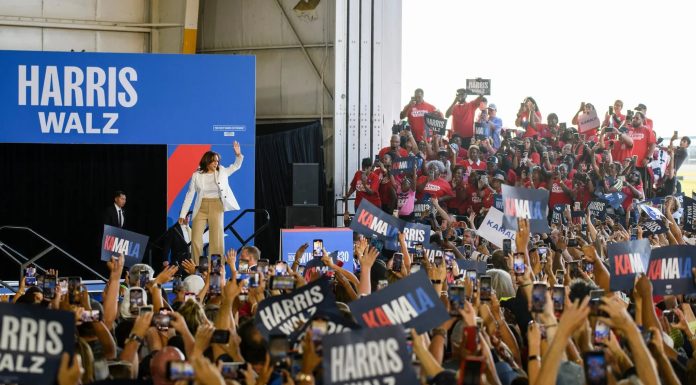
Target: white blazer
229,202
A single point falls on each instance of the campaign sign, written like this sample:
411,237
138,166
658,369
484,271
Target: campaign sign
117,241
670,270
498,202
470,264
372,222
33,339
279,314
653,227
626,259
413,233
652,212
689,214
492,229
524,203
478,86
587,122
615,199
411,302
335,240
406,164
435,124
368,356
598,209
557,216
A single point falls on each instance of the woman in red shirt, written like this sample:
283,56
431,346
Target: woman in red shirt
633,189
528,117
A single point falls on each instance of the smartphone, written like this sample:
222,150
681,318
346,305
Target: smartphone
74,285
179,370
230,370
588,266
572,242
318,248
162,320
215,287
190,296
467,250
539,297
472,368
281,268
397,262
253,280
518,264
49,287
300,269
91,316
319,329
30,276
177,283
136,295
278,346
574,269
601,333
203,263
456,295
145,309
595,367
507,246
562,126
437,260
382,283
262,265
558,298
670,316
595,301
243,266
634,233
282,282
216,263
472,276
63,285
220,336
486,288
471,338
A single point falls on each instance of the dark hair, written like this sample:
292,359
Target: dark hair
118,193
207,159
483,99
366,163
580,289
687,139
419,90
536,107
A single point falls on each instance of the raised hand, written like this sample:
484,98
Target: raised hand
237,148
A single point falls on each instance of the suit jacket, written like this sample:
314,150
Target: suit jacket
229,202
111,217
175,243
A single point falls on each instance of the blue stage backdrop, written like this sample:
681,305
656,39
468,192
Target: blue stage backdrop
192,103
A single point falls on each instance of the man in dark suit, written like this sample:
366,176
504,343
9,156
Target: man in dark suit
177,240
114,215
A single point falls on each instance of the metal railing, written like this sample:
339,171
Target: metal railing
24,261
230,226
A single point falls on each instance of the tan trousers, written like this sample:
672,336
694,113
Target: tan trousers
210,212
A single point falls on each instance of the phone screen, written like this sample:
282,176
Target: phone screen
216,264
49,287
507,246
601,333
262,265
319,328
220,336
486,289
278,347
179,370
457,295
318,248
136,299
437,260
518,264
230,370
397,262
472,276
538,297
281,268
215,283
558,298
282,282
203,263
595,368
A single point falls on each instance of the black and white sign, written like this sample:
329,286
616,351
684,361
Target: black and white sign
478,86
32,340
435,124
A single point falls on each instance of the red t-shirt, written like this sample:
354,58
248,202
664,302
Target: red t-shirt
417,121
642,137
608,119
488,198
470,166
463,118
456,203
620,151
556,194
402,153
438,188
474,197
530,132
543,131
360,193
626,204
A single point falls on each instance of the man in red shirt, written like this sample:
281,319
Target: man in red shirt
615,119
560,192
414,111
647,121
473,163
463,115
643,148
434,183
365,184
395,147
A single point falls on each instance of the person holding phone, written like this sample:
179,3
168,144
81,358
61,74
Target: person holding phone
415,111
210,185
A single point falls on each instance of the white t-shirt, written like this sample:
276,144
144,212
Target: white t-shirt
210,188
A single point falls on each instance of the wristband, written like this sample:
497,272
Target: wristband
136,338
436,281
534,358
440,332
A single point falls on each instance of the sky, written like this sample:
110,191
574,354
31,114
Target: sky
561,53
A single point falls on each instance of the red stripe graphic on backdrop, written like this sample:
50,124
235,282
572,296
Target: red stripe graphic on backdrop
180,165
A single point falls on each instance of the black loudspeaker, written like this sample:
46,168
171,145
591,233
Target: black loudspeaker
303,216
305,184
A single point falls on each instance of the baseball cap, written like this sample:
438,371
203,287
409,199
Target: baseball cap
499,177
492,107
492,159
193,284
640,106
474,147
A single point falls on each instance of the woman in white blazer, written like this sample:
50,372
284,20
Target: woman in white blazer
213,197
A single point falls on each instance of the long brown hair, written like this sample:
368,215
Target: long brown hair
207,159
